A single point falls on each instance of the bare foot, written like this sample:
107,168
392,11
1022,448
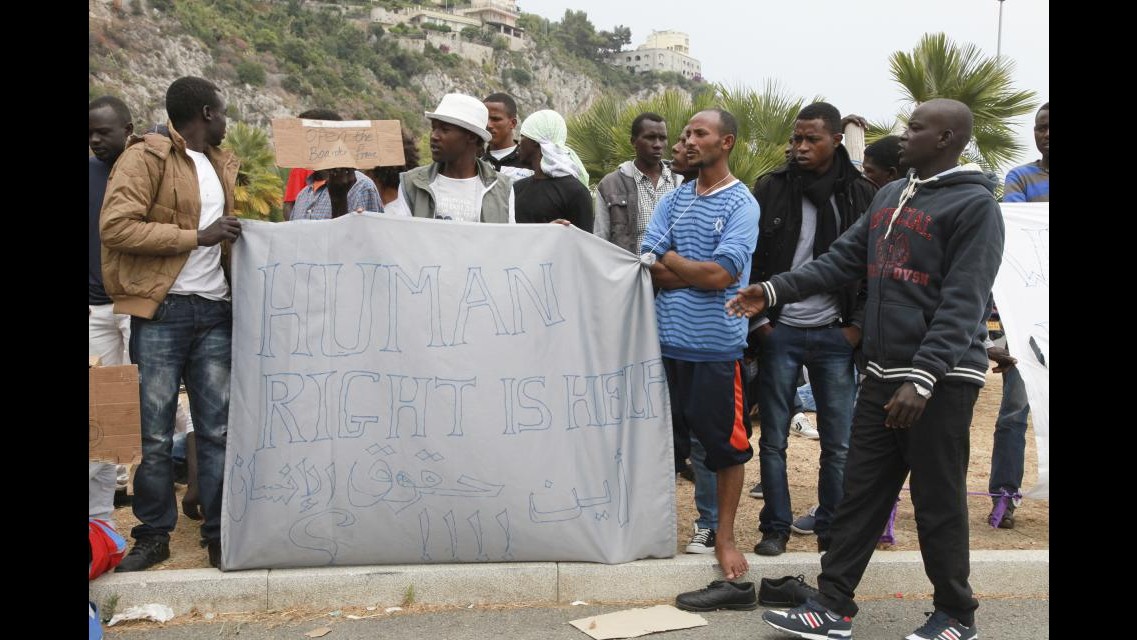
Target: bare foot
732,562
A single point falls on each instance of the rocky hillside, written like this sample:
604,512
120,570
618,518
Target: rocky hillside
318,58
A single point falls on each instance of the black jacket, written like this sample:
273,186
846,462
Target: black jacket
511,160
929,278
779,195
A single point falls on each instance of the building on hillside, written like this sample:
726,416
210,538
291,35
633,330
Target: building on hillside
443,19
499,16
662,51
493,16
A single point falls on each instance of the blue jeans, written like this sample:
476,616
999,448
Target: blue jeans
189,338
1010,435
828,357
706,488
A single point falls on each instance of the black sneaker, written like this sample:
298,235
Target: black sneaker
756,491
790,591
687,473
941,626
811,621
772,544
719,594
214,547
146,553
702,542
122,499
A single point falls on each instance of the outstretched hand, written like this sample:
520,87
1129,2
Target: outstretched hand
749,302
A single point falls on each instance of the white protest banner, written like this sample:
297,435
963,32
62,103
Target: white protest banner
1022,293
410,391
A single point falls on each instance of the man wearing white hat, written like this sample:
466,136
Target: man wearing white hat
457,185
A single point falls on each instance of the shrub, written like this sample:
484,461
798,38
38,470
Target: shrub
251,72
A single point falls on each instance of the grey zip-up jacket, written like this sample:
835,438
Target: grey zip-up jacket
496,199
930,269
617,207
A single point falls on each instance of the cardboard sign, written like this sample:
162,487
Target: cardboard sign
327,144
633,623
114,421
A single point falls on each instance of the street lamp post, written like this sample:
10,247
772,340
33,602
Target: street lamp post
999,41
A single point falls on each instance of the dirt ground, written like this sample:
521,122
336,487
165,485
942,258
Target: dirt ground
1032,519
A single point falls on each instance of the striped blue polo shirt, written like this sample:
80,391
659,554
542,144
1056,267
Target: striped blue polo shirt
1028,183
720,227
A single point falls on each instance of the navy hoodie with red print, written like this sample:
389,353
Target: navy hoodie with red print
930,269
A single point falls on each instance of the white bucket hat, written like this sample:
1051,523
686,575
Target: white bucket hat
464,111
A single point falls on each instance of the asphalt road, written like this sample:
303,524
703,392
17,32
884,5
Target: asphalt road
998,619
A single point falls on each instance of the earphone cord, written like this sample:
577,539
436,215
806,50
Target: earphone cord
684,211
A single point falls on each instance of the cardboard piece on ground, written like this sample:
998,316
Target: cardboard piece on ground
328,144
632,623
114,422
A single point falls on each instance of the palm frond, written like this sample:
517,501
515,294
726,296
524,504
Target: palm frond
259,186
940,68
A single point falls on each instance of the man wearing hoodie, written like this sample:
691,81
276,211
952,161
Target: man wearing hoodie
806,204
930,247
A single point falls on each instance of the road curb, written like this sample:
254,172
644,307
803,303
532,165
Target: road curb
208,590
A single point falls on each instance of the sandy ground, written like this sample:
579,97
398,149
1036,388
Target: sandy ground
1032,519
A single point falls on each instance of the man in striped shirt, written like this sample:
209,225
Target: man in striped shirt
1031,182
702,237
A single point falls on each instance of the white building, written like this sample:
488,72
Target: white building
663,51
495,16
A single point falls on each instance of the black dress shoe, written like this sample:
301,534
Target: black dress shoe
719,594
790,591
214,547
772,544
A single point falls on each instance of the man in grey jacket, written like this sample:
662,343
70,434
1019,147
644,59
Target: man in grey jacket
930,246
626,198
457,185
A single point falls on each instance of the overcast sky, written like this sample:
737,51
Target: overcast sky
838,50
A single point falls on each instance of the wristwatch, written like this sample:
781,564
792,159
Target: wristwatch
924,392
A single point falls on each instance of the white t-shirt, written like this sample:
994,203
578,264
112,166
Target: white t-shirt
517,173
202,273
457,198
501,153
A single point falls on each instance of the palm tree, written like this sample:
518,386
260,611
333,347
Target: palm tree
260,190
601,135
765,122
596,136
940,68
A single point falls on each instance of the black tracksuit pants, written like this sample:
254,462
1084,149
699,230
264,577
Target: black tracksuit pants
935,450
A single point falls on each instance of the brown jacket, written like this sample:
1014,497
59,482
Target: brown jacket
150,216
